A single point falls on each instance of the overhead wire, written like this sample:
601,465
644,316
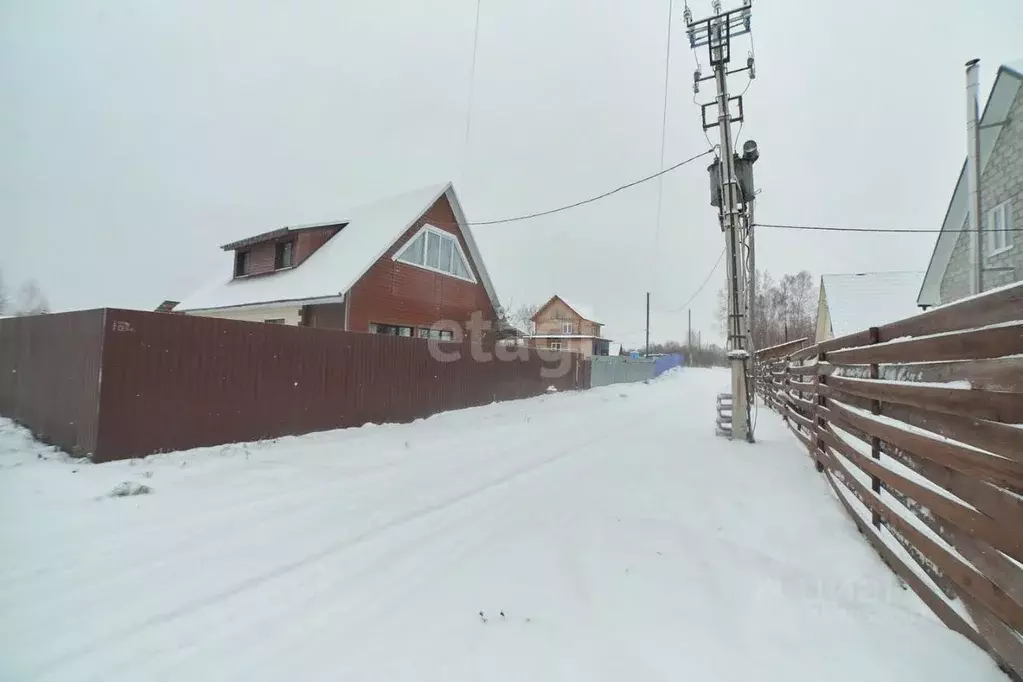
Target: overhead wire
690,299
604,195
664,130
699,289
472,73
879,230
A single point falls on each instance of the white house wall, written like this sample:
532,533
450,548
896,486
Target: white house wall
290,314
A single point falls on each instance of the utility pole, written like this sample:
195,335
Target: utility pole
973,173
751,235
648,324
731,192
689,342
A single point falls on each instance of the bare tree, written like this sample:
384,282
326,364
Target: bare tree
30,300
522,317
697,355
785,310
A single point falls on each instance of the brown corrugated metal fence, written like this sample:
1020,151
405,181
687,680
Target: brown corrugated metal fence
50,374
171,382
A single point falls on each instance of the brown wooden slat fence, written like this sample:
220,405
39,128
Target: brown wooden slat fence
918,427
114,384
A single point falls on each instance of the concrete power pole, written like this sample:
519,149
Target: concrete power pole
647,324
973,173
731,192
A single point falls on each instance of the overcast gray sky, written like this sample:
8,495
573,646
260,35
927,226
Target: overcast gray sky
135,137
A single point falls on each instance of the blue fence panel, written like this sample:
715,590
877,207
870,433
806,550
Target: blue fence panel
666,362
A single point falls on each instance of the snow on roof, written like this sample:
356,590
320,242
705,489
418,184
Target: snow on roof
1003,92
332,269
585,311
869,299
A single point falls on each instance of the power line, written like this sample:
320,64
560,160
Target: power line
472,72
702,285
664,135
882,230
691,298
592,199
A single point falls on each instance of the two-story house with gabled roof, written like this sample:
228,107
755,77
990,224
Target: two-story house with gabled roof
397,266
559,325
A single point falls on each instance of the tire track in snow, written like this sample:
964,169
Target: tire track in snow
198,548
256,581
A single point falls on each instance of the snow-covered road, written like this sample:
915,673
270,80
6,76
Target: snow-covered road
618,536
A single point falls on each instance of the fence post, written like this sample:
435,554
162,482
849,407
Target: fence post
820,380
875,442
786,387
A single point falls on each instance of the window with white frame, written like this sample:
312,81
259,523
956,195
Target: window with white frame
436,250
555,344
568,328
999,228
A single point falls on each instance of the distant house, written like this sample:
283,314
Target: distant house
948,275
854,302
560,325
397,267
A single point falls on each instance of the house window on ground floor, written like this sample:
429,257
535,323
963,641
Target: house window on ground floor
389,329
555,344
276,320
437,334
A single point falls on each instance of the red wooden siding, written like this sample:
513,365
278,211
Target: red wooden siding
324,316
261,258
397,293
263,255
308,241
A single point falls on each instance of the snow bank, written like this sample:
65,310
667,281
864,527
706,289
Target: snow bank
619,537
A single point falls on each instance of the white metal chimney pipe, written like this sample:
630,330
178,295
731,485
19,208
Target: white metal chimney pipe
973,172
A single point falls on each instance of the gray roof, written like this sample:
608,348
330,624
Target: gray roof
869,299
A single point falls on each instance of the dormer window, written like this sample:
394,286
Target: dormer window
241,263
284,256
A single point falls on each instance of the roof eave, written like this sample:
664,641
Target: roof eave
317,300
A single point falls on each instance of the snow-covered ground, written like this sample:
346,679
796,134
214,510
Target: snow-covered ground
618,536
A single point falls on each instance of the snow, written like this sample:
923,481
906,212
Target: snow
899,468
926,337
619,536
987,292
900,551
870,299
914,429
585,311
333,268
